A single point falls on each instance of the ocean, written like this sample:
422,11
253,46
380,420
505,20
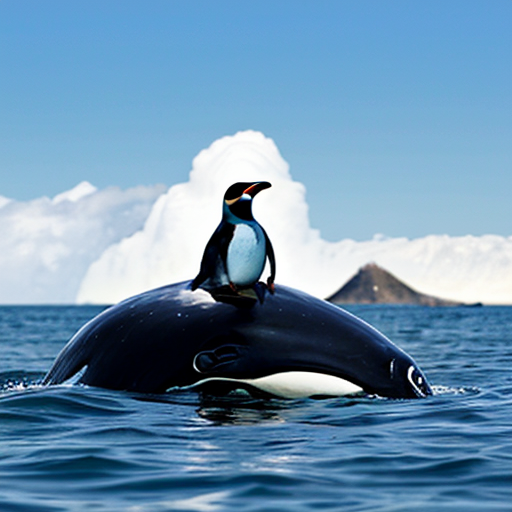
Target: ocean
73,448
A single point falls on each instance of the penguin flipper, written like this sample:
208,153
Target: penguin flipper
272,260
215,254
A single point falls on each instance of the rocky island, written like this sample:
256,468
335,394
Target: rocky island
374,285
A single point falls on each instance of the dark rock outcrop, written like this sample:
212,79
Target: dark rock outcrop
374,285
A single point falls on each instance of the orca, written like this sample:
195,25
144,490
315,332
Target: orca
291,345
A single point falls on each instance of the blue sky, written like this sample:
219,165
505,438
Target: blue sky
396,115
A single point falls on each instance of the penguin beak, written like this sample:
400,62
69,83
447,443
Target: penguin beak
257,187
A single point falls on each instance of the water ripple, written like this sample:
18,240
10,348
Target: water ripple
84,449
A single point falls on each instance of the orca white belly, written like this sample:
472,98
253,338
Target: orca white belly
295,384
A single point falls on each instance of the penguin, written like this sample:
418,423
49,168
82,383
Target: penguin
236,253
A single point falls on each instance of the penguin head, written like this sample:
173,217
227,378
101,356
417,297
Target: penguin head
238,199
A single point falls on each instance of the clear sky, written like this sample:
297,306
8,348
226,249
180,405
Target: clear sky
396,115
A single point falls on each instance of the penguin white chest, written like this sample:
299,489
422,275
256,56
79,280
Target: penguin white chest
246,255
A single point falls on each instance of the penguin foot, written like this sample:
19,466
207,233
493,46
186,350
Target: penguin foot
242,296
252,292
245,291
235,298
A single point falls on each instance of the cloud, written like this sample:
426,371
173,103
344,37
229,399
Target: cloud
170,245
82,190
4,201
47,245
100,246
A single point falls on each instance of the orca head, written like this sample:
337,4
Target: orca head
412,380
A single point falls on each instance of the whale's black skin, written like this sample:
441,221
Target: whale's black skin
174,337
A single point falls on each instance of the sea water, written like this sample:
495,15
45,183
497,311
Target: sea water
74,448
